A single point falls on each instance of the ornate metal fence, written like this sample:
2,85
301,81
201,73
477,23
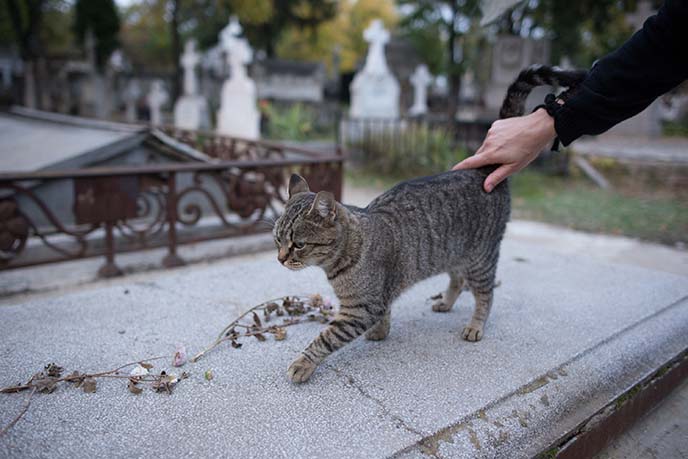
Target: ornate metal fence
124,209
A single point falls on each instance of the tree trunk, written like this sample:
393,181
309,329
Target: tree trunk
30,49
176,50
452,68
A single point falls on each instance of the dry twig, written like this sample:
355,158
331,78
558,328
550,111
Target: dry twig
293,308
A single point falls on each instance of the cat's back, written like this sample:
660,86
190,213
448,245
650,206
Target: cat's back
453,189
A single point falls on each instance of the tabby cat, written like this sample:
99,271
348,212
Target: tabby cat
444,223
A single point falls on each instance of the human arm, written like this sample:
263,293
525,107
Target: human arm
620,85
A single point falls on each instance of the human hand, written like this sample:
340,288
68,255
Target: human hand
514,143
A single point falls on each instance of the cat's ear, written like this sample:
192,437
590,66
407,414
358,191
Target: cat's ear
297,184
324,205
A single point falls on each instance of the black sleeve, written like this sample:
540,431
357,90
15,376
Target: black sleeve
623,83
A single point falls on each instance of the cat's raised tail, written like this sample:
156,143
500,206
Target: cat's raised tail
537,75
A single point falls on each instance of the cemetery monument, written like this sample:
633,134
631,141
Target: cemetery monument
191,110
238,115
157,97
420,80
374,90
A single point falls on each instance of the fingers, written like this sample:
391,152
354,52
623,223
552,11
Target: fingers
496,177
473,161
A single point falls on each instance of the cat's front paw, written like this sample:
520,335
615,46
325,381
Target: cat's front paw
472,333
300,369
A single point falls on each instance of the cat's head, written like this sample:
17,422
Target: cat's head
306,233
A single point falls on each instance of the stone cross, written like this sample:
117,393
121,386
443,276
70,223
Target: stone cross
131,96
238,115
420,80
377,36
157,97
189,61
237,50
230,32
238,56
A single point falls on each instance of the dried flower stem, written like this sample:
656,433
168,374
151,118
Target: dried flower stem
314,303
25,407
72,378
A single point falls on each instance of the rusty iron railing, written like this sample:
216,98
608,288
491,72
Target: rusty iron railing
121,209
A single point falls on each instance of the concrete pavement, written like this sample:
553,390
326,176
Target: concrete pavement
567,334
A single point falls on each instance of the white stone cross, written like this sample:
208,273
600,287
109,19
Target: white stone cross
420,80
157,97
230,32
377,36
238,115
131,96
189,61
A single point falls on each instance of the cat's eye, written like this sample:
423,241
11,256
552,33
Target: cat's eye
299,245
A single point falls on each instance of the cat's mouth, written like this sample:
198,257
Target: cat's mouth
294,265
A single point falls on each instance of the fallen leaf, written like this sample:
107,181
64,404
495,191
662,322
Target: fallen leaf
76,378
53,370
208,375
316,300
256,319
280,334
236,345
133,388
45,384
146,365
259,337
89,385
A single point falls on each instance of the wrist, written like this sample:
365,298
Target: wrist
545,123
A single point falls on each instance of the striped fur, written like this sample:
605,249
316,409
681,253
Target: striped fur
420,228
533,76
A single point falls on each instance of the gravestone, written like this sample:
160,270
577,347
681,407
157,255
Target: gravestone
510,55
374,90
238,115
420,80
157,97
191,110
131,96
92,95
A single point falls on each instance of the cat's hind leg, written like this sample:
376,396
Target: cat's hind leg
481,279
380,330
448,298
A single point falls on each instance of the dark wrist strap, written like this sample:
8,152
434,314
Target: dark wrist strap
552,107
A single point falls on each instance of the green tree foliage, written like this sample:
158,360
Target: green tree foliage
35,27
343,33
265,30
102,19
583,31
446,33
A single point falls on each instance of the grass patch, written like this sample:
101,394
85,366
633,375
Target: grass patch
575,203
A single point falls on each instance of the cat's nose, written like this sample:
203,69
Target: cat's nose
282,255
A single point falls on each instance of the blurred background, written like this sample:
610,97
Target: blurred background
128,124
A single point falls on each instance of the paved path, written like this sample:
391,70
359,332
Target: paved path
667,150
567,334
